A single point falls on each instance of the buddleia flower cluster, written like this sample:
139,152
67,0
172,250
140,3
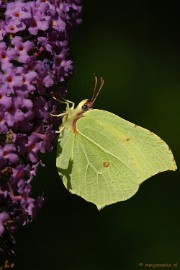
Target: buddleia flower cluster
34,56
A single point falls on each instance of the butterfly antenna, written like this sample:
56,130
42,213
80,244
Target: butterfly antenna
99,90
95,86
60,99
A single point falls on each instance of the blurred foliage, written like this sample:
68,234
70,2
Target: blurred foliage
135,46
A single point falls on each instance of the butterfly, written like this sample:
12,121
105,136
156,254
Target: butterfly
104,158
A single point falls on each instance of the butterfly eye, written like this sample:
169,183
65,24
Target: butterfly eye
85,107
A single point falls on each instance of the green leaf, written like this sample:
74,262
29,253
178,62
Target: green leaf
104,158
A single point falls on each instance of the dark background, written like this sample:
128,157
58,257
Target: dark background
135,46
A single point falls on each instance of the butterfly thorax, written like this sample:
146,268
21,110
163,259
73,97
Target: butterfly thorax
72,115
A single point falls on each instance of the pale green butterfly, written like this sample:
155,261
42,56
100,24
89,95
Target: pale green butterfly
104,158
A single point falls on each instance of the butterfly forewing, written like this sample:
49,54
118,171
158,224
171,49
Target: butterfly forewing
135,145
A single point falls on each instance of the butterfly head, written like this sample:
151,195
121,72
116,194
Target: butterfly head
85,105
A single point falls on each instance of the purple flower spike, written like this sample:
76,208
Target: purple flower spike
34,56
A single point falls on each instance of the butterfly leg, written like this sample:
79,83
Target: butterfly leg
60,130
66,101
58,115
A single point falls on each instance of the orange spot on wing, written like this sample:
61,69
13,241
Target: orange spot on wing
106,164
